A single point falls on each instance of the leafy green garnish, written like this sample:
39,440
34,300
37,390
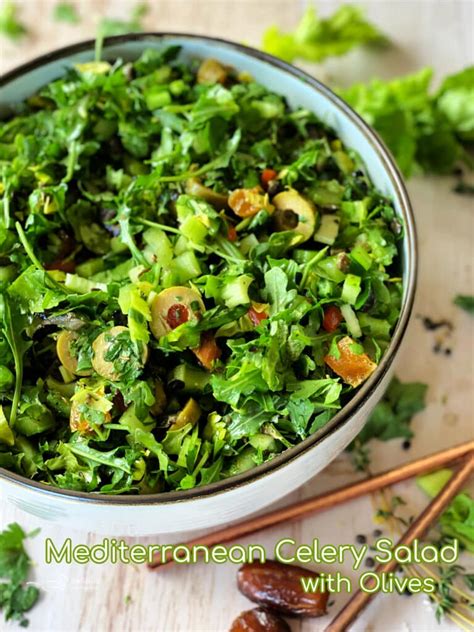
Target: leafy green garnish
10,25
425,131
16,597
316,38
392,416
465,302
66,12
457,521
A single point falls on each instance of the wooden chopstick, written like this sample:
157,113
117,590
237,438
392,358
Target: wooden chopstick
325,501
417,529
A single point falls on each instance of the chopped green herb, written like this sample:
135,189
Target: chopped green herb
316,38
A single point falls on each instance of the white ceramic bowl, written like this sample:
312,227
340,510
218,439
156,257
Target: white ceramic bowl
234,498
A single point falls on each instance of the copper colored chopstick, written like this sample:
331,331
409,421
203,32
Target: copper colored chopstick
360,599
325,501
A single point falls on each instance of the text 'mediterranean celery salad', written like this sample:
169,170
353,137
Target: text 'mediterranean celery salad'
194,277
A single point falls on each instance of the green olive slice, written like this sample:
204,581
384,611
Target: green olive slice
100,347
173,306
294,212
63,350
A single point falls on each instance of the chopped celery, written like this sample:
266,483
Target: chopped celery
327,193
328,269
159,245
81,285
263,442
236,292
247,243
343,161
375,327
362,257
351,289
90,267
194,229
356,212
352,323
185,267
328,229
188,379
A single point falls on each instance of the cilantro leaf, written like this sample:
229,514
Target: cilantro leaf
424,131
465,302
316,38
15,597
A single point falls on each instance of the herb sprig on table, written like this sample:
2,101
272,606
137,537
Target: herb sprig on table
17,596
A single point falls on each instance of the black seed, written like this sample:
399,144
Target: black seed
377,533
457,171
406,445
370,562
361,539
447,352
407,593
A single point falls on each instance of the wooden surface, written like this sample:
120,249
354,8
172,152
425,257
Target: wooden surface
203,598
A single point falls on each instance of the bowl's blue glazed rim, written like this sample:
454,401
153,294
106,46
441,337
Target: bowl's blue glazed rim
365,392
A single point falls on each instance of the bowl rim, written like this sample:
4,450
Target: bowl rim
367,390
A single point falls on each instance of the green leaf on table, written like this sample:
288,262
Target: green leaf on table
424,131
66,12
457,521
392,416
316,38
10,25
15,597
465,302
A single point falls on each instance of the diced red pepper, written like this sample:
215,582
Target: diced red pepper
177,315
232,234
208,351
256,317
332,318
267,176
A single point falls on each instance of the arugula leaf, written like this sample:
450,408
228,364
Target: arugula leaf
316,38
465,302
66,12
15,597
391,417
10,25
12,326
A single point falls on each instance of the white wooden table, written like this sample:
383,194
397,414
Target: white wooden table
203,598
